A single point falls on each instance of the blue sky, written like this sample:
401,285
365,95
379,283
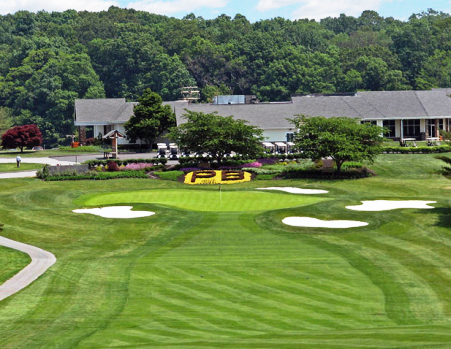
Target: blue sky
253,10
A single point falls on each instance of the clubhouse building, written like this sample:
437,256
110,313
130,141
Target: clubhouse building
406,114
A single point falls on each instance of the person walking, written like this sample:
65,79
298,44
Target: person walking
18,160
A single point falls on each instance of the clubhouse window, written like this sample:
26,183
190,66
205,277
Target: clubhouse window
411,128
390,125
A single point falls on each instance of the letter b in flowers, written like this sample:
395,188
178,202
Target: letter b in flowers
232,175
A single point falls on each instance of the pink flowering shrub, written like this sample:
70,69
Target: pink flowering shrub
137,167
254,164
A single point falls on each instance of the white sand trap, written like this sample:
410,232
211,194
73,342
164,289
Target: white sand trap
385,205
318,223
116,212
293,190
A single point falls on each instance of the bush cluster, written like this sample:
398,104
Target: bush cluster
70,175
416,150
351,165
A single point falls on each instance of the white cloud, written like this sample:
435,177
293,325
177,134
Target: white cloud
176,6
12,6
318,9
266,5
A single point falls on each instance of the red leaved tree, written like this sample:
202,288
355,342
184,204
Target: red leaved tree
21,137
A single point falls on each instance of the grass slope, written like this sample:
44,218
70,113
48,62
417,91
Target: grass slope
198,276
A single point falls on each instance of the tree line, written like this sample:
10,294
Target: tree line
47,60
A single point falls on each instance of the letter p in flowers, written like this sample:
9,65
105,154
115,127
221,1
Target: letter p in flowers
202,175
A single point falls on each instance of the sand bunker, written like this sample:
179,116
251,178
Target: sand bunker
385,205
318,223
293,190
116,212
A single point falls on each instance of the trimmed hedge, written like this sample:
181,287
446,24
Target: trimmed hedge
98,176
417,150
94,163
84,149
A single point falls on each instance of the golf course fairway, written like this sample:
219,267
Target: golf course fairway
205,273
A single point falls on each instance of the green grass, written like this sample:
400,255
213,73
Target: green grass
205,200
11,262
50,152
23,167
170,175
201,275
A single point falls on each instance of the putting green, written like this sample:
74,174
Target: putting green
204,200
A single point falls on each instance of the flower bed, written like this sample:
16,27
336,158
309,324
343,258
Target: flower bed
217,177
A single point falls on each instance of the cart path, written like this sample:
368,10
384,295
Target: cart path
45,160
19,174
40,261
32,173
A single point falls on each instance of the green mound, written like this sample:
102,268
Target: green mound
205,200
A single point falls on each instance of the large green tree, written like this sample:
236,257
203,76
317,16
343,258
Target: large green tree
150,118
217,135
6,121
340,138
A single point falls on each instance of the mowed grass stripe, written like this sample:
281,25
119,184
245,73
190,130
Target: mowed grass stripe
425,303
192,296
222,297
316,296
405,291
433,270
205,200
295,305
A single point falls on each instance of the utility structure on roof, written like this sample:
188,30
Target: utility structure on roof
190,93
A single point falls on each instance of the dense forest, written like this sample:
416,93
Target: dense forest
47,60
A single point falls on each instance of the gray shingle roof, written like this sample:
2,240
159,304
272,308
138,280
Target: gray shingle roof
364,105
104,111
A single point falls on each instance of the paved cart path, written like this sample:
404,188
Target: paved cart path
26,174
40,261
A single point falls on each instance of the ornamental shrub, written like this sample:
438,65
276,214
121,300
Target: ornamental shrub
44,172
112,166
22,137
